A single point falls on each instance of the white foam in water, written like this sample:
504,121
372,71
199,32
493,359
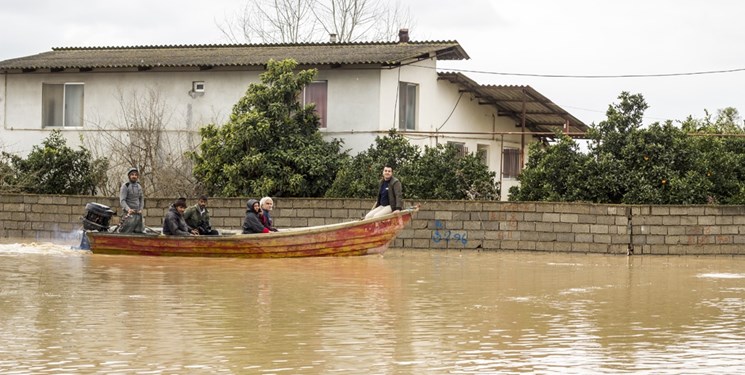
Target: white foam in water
722,275
47,248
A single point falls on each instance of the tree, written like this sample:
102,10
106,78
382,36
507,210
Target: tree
53,168
436,173
558,172
720,143
302,21
139,137
360,176
271,144
442,173
626,163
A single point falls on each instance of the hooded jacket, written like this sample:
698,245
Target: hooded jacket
174,224
252,222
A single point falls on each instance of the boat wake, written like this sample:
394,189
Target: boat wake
45,248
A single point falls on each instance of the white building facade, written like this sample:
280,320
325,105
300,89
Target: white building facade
362,90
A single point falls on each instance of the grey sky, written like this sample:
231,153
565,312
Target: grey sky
568,37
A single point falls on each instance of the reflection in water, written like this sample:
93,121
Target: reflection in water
407,312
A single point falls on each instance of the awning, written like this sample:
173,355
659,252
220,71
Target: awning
523,104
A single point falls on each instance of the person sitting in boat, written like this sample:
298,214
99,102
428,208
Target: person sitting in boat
198,217
174,223
267,204
252,222
390,199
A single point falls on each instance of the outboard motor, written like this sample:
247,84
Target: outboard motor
96,218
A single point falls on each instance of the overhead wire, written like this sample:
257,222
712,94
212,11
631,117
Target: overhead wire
585,76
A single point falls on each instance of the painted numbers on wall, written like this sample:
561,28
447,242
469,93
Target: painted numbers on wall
441,234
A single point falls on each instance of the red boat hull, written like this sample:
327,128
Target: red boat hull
345,239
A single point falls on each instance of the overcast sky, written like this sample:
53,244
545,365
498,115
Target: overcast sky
502,37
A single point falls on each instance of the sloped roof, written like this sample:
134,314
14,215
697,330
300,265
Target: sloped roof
541,114
234,55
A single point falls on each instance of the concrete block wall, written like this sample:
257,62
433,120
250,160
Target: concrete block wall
689,230
463,225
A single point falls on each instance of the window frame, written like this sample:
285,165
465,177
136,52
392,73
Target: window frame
322,109
482,151
511,167
460,146
408,106
65,98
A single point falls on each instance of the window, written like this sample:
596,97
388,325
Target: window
316,93
461,147
407,105
483,153
510,162
62,104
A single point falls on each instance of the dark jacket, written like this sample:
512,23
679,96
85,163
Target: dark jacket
195,219
174,224
252,222
395,195
266,219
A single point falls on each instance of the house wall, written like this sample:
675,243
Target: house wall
362,104
353,112
102,105
352,93
443,108
439,225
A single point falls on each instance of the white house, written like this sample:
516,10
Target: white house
361,91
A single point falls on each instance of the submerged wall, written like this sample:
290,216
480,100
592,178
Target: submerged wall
532,226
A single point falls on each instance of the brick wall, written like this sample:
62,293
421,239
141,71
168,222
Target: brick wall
532,226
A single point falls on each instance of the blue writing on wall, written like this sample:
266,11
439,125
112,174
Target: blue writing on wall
442,234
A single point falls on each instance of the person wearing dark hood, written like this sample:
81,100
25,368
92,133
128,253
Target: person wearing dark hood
132,201
174,223
252,222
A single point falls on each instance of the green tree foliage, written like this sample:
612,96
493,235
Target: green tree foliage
53,168
271,144
555,173
441,173
436,173
360,176
659,164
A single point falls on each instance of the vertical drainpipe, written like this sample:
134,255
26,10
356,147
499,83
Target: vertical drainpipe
5,100
522,136
501,162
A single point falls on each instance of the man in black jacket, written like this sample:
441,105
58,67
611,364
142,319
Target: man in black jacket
173,223
390,198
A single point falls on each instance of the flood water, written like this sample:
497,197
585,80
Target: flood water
407,312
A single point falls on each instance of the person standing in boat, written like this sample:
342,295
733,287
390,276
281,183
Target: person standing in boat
132,200
252,222
390,196
267,204
174,223
198,217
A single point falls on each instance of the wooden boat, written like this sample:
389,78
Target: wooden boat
361,237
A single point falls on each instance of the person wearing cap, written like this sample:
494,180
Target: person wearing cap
173,223
252,222
132,201
198,217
